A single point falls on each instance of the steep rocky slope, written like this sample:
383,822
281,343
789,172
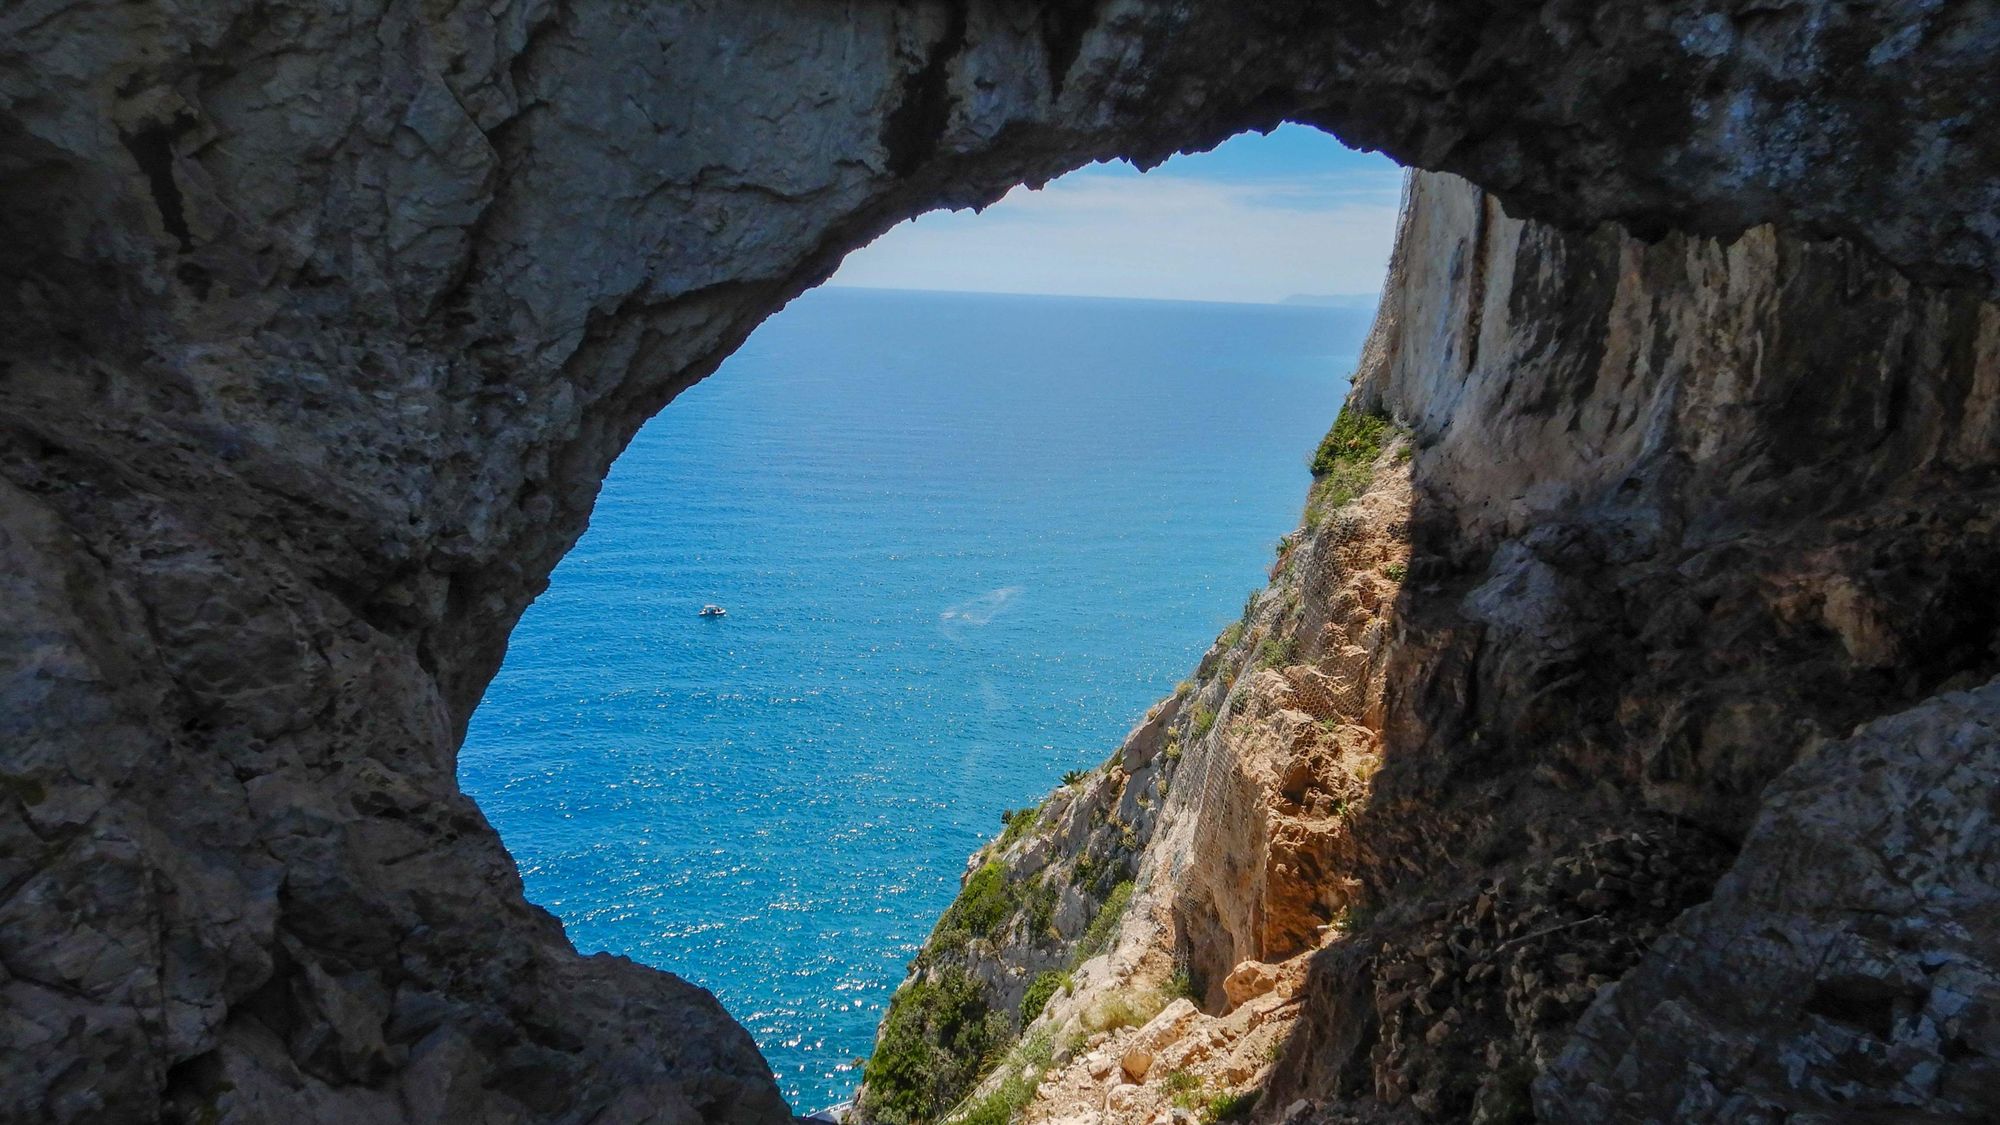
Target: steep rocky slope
1671,565
323,321
1230,802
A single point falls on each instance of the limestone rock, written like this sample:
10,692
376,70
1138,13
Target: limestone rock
1249,980
1840,968
1147,739
1168,1026
325,321
1490,784
1135,1063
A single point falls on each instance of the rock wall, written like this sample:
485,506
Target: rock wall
1651,578
322,323
1687,512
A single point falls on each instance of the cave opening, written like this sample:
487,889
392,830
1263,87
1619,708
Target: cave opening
971,507
330,322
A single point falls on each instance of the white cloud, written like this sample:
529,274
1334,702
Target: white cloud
1116,233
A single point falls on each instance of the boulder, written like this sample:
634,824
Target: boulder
1248,981
1135,1064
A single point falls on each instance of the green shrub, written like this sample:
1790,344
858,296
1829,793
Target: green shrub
1122,1008
1231,635
1045,985
1181,986
1103,925
995,1108
1228,1107
1180,1084
1395,571
1084,874
1276,653
1073,776
1204,718
1024,1066
1342,485
1017,823
933,1040
1041,903
1356,437
984,903
1344,465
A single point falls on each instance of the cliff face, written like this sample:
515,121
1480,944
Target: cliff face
1631,567
323,322
1721,520
1689,514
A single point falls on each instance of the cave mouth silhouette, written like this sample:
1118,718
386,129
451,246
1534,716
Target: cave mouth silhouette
331,338
614,709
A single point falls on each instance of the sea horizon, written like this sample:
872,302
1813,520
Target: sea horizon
1347,301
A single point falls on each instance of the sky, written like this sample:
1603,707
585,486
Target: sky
1258,219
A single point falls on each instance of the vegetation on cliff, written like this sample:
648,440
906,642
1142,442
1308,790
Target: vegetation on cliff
1044,986
949,1026
935,1043
982,904
1024,1066
1016,928
1344,464
1045,896
1104,926
1355,440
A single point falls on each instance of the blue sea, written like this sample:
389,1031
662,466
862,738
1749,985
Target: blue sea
964,541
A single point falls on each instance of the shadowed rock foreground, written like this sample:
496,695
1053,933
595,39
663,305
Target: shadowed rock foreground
324,321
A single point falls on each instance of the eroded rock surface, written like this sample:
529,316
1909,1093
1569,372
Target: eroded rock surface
323,322
1846,967
1683,511
1645,532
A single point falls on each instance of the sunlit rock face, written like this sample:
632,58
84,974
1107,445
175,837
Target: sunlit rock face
1697,535
323,323
1615,739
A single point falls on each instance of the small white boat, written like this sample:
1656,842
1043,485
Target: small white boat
714,611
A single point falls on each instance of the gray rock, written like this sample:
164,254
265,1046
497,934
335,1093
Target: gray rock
1846,965
326,319
1149,737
